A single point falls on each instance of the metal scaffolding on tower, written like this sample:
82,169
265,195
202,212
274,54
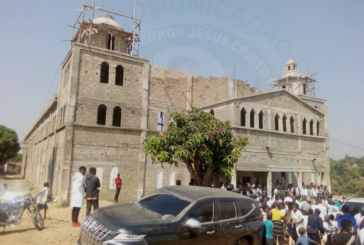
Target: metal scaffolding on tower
90,28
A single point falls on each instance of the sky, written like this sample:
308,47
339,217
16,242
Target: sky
247,40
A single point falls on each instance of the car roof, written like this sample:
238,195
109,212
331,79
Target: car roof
356,200
197,192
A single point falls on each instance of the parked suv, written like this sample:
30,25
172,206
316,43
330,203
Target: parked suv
177,215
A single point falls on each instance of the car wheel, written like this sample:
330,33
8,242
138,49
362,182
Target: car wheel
242,242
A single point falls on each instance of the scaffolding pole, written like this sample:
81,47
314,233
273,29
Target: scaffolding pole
133,48
92,22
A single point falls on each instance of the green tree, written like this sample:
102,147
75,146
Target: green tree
354,173
205,144
9,145
17,158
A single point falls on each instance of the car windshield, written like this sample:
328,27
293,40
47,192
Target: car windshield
164,205
353,205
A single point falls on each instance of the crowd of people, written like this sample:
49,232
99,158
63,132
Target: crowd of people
304,216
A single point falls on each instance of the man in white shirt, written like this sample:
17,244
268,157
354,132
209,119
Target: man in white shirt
296,190
304,191
313,191
276,190
287,199
259,190
269,201
331,209
322,209
77,195
306,204
254,189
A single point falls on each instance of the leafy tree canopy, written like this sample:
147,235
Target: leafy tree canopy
205,144
17,158
9,145
347,175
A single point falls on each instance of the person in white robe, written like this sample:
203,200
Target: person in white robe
77,195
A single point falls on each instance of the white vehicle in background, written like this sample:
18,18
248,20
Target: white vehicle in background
354,203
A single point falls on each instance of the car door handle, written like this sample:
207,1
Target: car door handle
238,226
210,232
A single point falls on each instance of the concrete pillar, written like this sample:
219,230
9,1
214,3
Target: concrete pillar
269,184
314,131
290,178
313,178
319,178
144,125
298,124
299,180
324,179
280,123
256,119
232,88
189,94
233,178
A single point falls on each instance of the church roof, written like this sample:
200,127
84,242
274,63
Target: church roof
105,19
291,62
281,91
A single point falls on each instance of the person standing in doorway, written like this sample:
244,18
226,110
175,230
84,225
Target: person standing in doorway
77,195
92,192
118,183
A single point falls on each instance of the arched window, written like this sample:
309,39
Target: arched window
159,178
212,112
318,128
292,124
304,89
284,121
119,76
311,127
116,117
289,68
171,176
110,42
261,119
160,124
99,173
284,87
101,115
252,114
276,122
304,126
104,73
243,117
113,174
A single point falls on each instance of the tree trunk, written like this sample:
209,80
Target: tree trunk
207,177
193,172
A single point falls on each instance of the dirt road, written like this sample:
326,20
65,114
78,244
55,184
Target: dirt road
57,229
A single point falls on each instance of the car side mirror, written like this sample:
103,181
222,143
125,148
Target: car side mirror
193,223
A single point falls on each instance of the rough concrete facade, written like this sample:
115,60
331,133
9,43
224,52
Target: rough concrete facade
79,127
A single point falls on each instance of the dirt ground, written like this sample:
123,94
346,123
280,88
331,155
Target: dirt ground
57,226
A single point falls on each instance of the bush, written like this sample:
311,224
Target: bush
335,187
354,173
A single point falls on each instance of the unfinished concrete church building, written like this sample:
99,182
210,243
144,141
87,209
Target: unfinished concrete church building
108,101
